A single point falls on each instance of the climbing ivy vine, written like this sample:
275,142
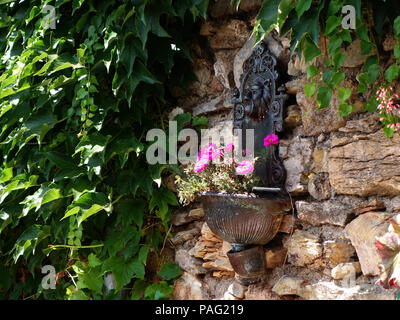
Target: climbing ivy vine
315,30
76,103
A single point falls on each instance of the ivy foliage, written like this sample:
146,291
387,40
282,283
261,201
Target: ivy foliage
76,103
306,21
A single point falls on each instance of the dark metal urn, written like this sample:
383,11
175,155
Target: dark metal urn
245,221
250,221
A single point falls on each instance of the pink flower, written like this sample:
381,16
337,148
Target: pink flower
216,154
271,139
208,152
200,165
229,147
393,282
244,167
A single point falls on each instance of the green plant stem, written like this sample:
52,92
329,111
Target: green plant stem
61,246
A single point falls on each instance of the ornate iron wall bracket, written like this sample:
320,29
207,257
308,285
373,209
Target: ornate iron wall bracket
250,221
258,105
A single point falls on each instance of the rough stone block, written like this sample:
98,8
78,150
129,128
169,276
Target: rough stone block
362,232
327,212
303,248
365,165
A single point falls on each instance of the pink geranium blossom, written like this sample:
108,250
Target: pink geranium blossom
244,167
216,154
271,139
389,110
210,152
200,165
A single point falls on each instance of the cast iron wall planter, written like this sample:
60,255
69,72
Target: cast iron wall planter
250,221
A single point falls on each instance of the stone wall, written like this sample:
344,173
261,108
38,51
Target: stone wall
343,175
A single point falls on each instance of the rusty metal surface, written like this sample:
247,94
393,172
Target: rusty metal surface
249,263
244,219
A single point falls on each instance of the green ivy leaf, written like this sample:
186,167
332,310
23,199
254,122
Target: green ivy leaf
362,83
334,43
396,27
6,174
332,23
38,125
17,183
397,51
337,78
93,261
371,105
46,193
345,109
143,252
284,8
344,94
312,71
169,271
123,270
309,89
268,15
309,25
373,73
388,131
371,60
131,210
74,294
362,33
338,59
334,7
366,47
160,199
302,6
327,76
158,291
182,119
199,121
91,145
123,146
138,289
309,49
324,96
345,35
25,242
130,51
91,279
142,74
88,204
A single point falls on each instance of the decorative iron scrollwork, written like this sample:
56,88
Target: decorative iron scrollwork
258,105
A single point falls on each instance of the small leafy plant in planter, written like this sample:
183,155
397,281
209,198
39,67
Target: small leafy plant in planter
218,170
